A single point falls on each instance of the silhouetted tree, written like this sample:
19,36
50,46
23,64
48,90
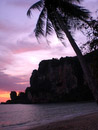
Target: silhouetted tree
93,42
92,35
63,15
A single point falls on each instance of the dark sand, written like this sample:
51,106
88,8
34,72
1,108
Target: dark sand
86,122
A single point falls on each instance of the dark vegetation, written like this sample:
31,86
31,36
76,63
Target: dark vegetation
91,33
59,81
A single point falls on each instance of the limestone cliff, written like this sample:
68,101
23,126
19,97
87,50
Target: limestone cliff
60,80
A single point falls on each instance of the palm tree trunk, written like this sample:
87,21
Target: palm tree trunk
85,68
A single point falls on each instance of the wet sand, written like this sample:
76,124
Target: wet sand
85,122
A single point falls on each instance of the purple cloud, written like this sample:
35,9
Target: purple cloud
13,28
22,3
9,83
6,57
92,5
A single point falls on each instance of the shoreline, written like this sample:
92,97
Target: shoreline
83,122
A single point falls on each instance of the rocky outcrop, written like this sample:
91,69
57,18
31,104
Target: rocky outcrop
13,95
21,98
60,81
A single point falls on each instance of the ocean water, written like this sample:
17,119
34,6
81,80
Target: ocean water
23,117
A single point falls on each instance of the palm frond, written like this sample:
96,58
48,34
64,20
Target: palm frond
74,23
94,44
49,27
75,1
39,30
38,5
73,10
56,26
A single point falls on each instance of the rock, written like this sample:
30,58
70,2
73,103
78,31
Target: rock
60,81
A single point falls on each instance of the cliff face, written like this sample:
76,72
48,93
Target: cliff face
60,80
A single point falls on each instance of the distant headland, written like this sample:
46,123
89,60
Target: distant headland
58,81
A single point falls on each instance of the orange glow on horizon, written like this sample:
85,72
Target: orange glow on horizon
4,95
22,83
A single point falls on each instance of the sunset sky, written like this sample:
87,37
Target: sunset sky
20,53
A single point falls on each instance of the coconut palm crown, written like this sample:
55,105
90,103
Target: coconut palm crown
71,14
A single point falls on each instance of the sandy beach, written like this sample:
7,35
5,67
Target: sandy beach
85,122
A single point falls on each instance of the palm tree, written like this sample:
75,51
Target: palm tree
62,16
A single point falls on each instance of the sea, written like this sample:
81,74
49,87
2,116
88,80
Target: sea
24,117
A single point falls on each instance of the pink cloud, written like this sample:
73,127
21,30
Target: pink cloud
13,28
4,27
6,57
23,46
10,83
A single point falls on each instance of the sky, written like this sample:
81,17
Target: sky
20,53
